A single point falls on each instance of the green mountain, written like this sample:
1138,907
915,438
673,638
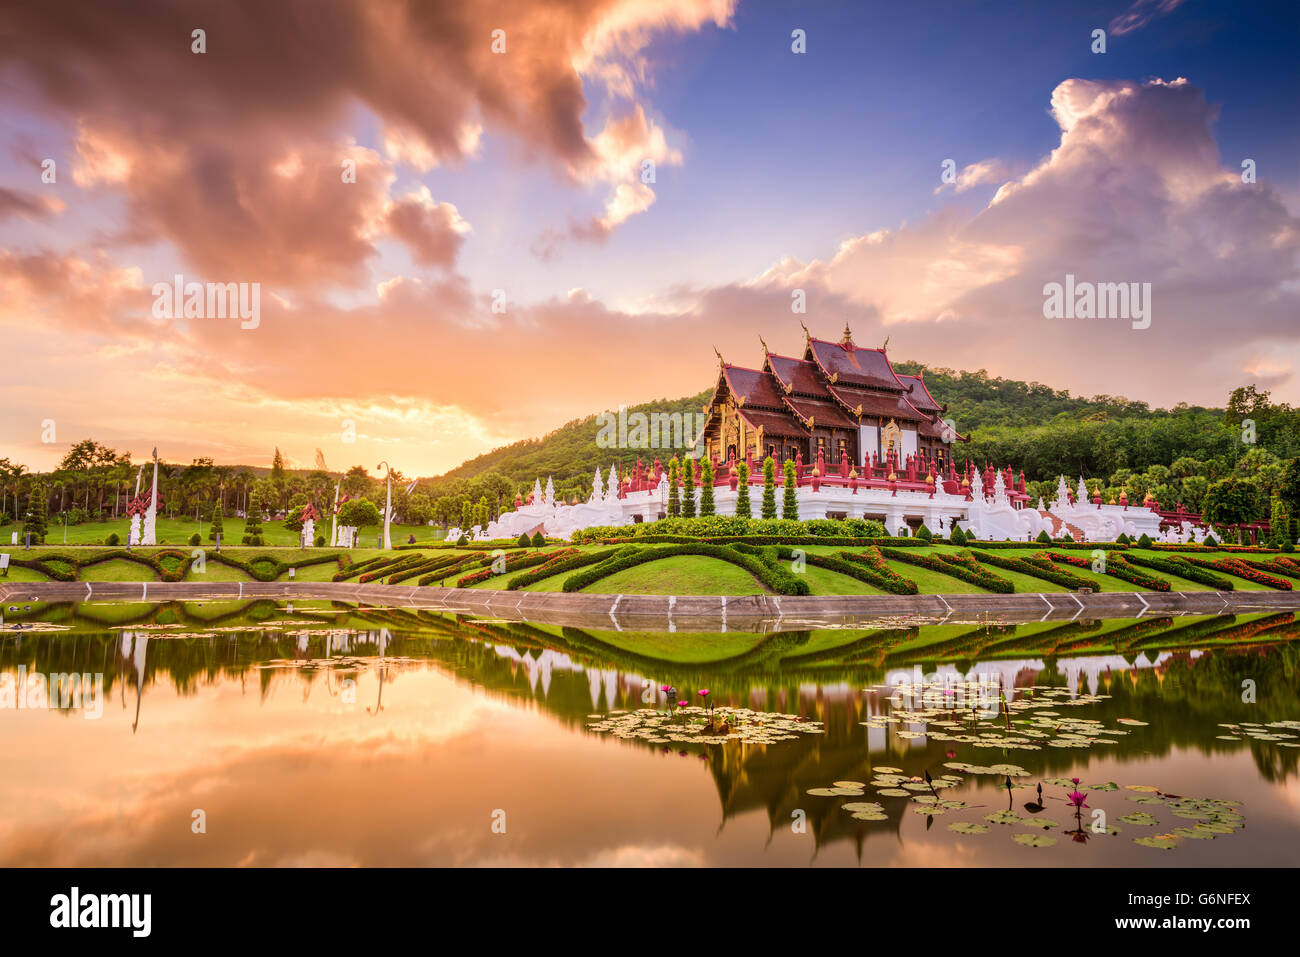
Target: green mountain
1028,425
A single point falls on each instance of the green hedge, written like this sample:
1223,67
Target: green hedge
1183,569
1044,570
556,567
960,567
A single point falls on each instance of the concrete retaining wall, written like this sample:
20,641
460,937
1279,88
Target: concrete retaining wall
685,613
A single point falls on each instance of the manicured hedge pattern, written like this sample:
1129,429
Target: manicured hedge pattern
771,574
1183,569
556,566
958,566
1037,568
516,562
1235,566
870,566
1116,566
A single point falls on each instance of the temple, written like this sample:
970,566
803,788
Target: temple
863,442
839,401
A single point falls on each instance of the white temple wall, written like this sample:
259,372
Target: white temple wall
868,442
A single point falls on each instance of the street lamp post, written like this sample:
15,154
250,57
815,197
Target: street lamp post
388,506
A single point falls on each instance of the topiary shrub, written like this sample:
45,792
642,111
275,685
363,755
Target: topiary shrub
196,539
1144,541
924,533
1067,537
524,540
1123,539
790,501
768,509
320,541
113,539
1210,542
463,540
1044,538
538,539
956,536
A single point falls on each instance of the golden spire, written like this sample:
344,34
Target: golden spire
806,334
721,361
766,351
885,345
848,336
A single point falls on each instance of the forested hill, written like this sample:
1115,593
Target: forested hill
568,452
976,399
1028,425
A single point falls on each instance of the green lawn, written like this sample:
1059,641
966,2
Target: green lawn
680,575
177,532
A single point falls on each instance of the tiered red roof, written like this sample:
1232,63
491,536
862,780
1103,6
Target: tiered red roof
835,384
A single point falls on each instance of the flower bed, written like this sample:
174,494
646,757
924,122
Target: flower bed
1037,569
1183,569
1116,566
1235,566
1275,567
963,568
516,562
869,566
556,566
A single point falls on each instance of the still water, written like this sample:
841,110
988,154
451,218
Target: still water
261,734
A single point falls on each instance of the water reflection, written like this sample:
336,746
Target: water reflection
288,726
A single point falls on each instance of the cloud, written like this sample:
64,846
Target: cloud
977,174
1140,14
191,137
432,231
1134,191
20,203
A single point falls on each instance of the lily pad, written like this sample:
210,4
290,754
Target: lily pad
1163,843
1034,840
1003,817
966,827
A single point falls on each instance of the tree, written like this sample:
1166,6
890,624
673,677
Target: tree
1288,490
215,530
790,503
769,488
524,540
674,495
1230,501
356,482
538,539
688,488
1279,523
359,513
742,491
35,520
706,489
253,523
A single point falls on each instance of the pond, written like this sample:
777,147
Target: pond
268,733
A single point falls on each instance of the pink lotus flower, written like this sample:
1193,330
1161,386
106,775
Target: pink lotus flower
1076,799
703,692
682,704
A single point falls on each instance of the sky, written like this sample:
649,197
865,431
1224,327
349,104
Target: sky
446,212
